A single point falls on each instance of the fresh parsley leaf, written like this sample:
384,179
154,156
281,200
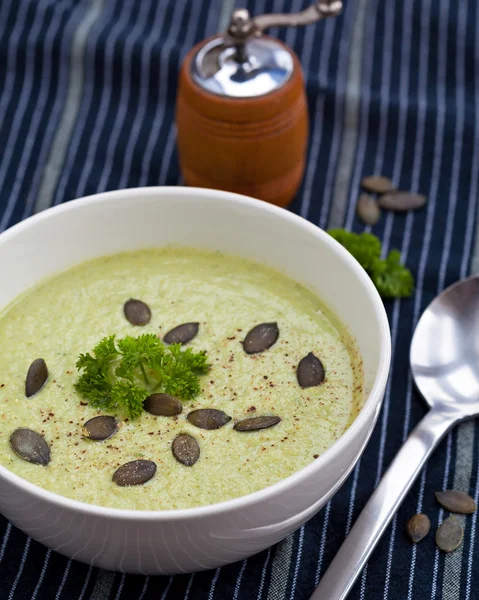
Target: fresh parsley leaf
120,374
365,247
391,278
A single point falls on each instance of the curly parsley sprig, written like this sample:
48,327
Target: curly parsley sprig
391,278
119,374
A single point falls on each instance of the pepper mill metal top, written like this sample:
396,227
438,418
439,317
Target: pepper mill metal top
243,63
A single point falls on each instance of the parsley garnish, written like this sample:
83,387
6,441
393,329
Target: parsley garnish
391,278
119,374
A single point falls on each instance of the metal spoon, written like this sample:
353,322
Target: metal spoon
445,365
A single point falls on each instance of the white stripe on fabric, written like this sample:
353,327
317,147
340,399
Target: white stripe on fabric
64,579
474,174
420,500
322,544
38,114
122,102
145,587
64,152
56,159
472,539
86,582
120,586
460,109
171,138
20,569
360,40
167,589
340,86
159,23
188,587
6,537
11,70
213,584
120,27
238,580
42,575
387,56
451,583
55,125
263,575
318,119
352,497
298,562
441,515
158,121
21,102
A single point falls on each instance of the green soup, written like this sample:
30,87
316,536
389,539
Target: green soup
69,313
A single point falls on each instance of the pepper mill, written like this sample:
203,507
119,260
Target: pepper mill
241,114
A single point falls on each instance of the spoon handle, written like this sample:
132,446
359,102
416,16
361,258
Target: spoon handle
348,563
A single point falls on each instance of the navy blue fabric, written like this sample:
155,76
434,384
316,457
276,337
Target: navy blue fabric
392,89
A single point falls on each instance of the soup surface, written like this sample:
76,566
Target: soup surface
228,296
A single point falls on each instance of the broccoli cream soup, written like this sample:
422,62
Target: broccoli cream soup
171,378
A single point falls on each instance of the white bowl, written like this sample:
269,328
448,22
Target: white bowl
178,541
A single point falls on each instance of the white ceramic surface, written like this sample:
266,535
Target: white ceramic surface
177,541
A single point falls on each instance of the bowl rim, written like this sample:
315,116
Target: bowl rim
367,413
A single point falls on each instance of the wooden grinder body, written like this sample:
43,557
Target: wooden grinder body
254,146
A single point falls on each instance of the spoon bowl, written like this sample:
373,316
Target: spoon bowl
445,350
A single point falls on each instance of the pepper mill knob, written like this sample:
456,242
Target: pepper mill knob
241,114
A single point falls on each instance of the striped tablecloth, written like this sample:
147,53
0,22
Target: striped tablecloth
87,93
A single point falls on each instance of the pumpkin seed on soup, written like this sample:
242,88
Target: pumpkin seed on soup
36,377
162,405
100,428
456,502
378,184
182,334
135,472
310,371
256,423
185,449
368,209
30,445
449,535
260,338
418,527
137,312
208,418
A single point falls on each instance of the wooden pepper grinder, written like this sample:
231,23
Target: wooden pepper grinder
241,115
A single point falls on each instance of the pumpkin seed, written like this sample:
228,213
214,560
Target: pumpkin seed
30,446
418,527
310,371
256,423
456,502
100,428
208,418
402,201
137,312
377,184
260,338
185,449
162,405
449,535
368,209
182,334
134,472
36,377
